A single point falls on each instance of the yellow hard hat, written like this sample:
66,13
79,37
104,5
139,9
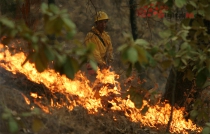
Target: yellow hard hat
100,15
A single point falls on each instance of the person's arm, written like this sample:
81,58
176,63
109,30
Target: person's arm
91,38
110,49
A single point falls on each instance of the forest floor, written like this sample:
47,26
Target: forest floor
61,121
16,113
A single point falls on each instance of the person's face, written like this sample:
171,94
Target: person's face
101,25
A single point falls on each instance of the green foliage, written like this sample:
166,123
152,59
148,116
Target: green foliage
136,97
57,20
180,3
133,53
57,24
183,45
15,119
200,113
206,129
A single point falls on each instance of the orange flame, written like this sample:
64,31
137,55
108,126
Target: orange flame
79,92
26,99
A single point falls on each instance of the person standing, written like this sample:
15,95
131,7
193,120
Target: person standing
103,52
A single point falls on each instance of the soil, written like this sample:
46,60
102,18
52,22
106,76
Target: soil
61,121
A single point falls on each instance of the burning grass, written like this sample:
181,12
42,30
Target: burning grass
20,99
77,106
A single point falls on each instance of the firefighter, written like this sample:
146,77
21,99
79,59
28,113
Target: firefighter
103,45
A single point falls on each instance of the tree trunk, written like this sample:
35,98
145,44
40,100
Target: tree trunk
184,90
51,36
133,18
134,30
26,10
182,86
51,2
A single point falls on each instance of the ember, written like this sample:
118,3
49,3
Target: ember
105,93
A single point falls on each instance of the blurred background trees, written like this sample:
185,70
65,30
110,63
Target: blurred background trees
152,44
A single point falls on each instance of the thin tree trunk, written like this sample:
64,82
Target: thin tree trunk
183,88
51,36
133,18
25,9
172,100
51,2
134,30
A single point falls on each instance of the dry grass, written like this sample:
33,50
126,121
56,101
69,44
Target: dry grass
14,87
60,121
78,121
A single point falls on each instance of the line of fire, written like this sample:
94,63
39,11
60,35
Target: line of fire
44,88
97,98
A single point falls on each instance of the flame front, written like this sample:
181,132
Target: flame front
79,92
